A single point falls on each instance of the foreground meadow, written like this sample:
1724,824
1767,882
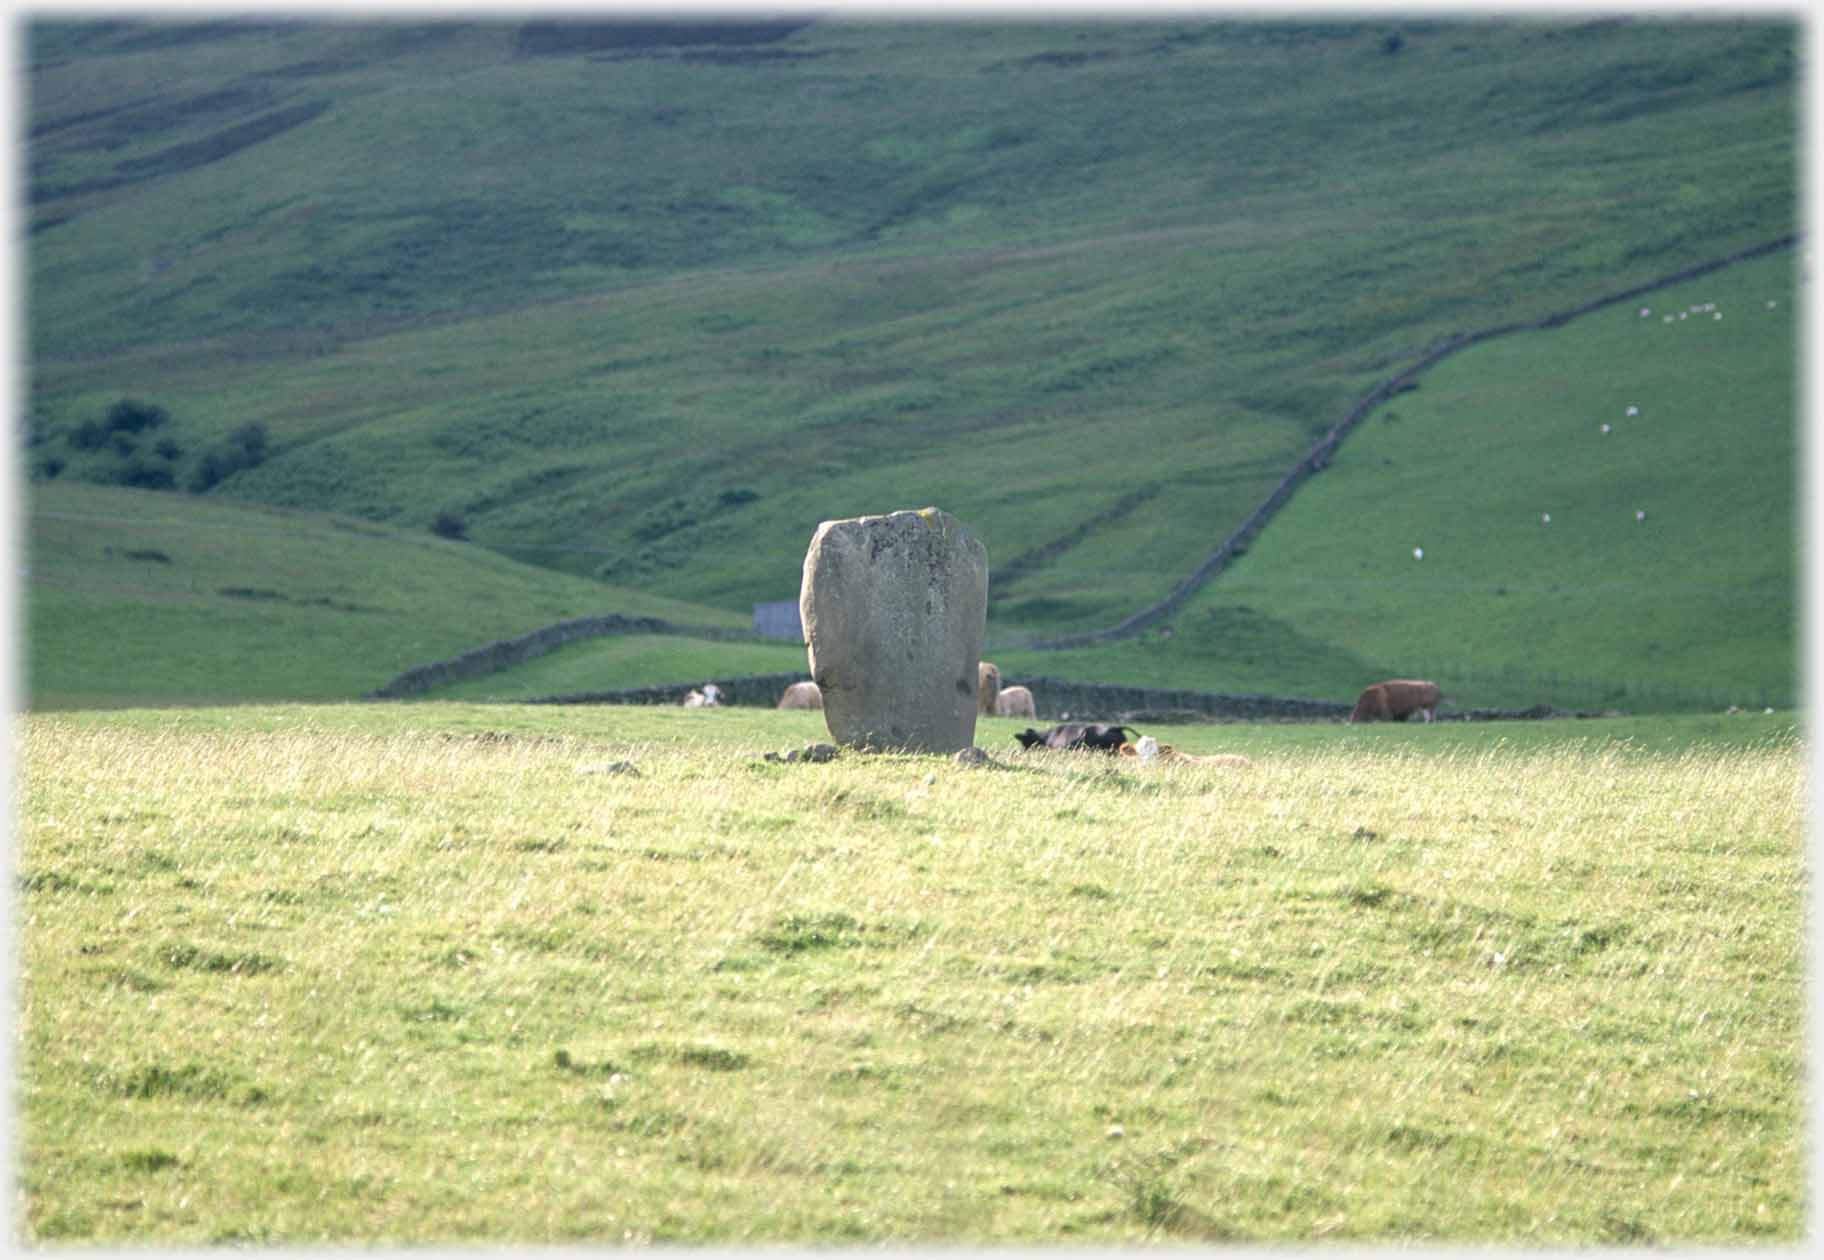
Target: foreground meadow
410,974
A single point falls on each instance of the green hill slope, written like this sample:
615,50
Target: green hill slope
646,308
1690,603
135,598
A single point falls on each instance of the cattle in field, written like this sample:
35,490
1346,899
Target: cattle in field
1015,701
1396,700
987,685
1096,736
801,695
708,698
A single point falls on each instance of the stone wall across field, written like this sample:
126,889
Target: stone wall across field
506,653
747,690
1061,700
1108,702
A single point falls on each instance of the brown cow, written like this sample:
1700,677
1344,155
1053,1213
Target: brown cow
987,686
1015,701
1396,700
801,695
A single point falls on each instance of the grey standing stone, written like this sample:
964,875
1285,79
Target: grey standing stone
895,609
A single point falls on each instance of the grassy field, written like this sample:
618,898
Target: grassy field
134,598
481,973
1691,608
1518,470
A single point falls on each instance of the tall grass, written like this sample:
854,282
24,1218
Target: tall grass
414,974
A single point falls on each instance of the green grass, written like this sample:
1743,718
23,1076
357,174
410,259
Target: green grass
1692,607
135,598
607,664
653,318
478,973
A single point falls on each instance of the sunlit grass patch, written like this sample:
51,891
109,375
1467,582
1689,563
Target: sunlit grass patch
1379,992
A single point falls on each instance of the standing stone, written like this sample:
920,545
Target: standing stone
895,609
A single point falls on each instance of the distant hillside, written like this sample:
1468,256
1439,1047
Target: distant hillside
136,598
641,303
1597,516
649,308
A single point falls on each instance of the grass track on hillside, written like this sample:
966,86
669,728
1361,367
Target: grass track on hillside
429,973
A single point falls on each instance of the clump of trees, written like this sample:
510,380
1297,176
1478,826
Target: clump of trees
125,420
125,427
246,447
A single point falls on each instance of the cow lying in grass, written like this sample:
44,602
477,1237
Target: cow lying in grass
1396,700
801,695
1146,748
1096,736
1015,701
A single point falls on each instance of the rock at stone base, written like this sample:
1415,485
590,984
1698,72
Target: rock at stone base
895,609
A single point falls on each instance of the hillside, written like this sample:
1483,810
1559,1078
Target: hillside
644,304
1606,514
136,598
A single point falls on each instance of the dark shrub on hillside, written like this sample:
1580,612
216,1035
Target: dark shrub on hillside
210,470
129,415
168,449
251,440
145,476
48,469
246,447
450,525
90,435
124,445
